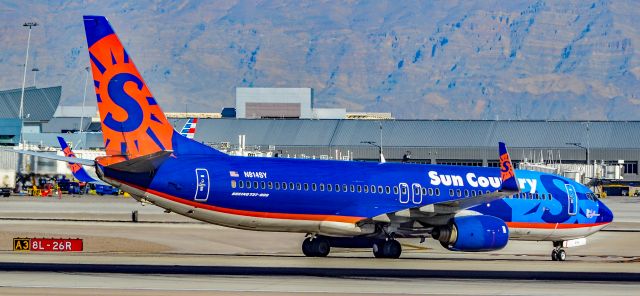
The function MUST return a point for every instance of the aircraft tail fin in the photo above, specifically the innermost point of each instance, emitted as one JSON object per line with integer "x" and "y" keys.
{"x": 189, "y": 129}
{"x": 507, "y": 174}
{"x": 133, "y": 124}
{"x": 76, "y": 169}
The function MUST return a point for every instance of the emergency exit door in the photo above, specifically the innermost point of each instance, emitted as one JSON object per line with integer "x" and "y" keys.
{"x": 202, "y": 185}
{"x": 572, "y": 205}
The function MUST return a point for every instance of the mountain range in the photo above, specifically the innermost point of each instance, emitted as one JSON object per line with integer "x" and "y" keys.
{"x": 547, "y": 60}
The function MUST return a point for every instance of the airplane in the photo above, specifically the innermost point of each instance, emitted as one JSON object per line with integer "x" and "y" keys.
{"x": 337, "y": 204}
{"x": 76, "y": 169}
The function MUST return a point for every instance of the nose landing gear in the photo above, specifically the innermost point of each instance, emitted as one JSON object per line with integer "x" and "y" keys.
{"x": 558, "y": 253}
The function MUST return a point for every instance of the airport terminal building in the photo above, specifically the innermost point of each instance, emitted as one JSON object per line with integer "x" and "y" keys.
{"x": 301, "y": 134}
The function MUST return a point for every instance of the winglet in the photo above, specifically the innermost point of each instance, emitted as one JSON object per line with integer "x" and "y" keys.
{"x": 507, "y": 174}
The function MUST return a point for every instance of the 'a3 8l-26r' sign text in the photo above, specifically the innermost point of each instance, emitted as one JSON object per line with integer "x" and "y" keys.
{"x": 48, "y": 244}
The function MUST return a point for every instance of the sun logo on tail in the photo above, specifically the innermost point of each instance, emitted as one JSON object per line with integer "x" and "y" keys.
{"x": 506, "y": 169}
{"x": 132, "y": 122}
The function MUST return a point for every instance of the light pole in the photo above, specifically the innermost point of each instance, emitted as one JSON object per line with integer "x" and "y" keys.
{"x": 372, "y": 143}
{"x": 35, "y": 71}
{"x": 30, "y": 25}
{"x": 84, "y": 99}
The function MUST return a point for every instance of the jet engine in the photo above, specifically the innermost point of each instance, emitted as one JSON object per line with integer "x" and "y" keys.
{"x": 473, "y": 234}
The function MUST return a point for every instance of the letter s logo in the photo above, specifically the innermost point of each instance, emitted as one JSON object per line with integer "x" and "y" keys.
{"x": 506, "y": 166}
{"x": 124, "y": 101}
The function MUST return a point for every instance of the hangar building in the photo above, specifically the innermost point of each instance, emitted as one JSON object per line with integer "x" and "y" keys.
{"x": 461, "y": 142}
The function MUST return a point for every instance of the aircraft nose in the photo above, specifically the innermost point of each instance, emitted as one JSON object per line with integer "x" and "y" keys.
{"x": 606, "y": 216}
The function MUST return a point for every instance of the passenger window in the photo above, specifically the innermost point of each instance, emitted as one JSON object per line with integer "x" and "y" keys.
{"x": 344, "y": 187}
{"x": 366, "y": 189}
{"x": 473, "y": 193}
{"x": 291, "y": 186}
{"x": 352, "y": 188}
{"x": 329, "y": 187}
{"x": 373, "y": 188}
{"x": 249, "y": 184}
{"x": 263, "y": 185}
{"x": 306, "y": 186}
{"x": 430, "y": 191}
{"x": 466, "y": 192}
{"x": 241, "y": 184}
{"x": 380, "y": 189}
{"x": 277, "y": 185}
{"x": 255, "y": 184}
{"x": 337, "y": 188}
{"x": 437, "y": 191}
{"x": 424, "y": 191}
{"x": 298, "y": 186}
{"x": 270, "y": 185}
{"x": 459, "y": 192}
{"x": 550, "y": 196}
{"x": 395, "y": 189}
{"x": 314, "y": 187}
{"x": 387, "y": 189}
{"x": 321, "y": 186}
{"x": 284, "y": 185}
{"x": 451, "y": 192}
{"x": 359, "y": 188}
{"x": 233, "y": 183}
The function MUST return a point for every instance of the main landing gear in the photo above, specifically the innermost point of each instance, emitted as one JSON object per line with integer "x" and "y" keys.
{"x": 320, "y": 246}
{"x": 316, "y": 247}
{"x": 558, "y": 253}
{"x": 387, "y": 249}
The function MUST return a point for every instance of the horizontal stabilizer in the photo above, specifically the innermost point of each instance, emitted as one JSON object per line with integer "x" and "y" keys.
{"x": 82, "y": 161}
{"x": 147, "y": 163}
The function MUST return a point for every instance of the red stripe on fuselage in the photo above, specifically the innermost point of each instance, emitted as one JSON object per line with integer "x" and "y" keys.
{"x": 535, "y": 225}
{"x": 309, "y": 217}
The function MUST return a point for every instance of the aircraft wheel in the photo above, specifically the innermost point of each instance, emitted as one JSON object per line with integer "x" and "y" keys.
{"x": 321, "y": 247}
{"x": 392, "y": 249}
{"x": 554, "y": 255}
{"x": 562, "y": 255}
{"x": 377, "y": 249}
{"x": 307, "y": 247}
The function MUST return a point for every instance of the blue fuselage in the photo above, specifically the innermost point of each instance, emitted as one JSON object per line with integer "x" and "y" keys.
{"x": 358, "y": 190}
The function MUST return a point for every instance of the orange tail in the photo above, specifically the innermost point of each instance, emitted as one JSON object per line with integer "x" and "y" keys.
{"x": 133, "y": 124}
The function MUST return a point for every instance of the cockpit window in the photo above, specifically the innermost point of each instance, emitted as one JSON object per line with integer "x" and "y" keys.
{"x": 592, "y": 196}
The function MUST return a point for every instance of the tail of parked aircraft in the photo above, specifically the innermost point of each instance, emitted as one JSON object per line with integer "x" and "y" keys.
{"x": 189, "y": 129}
{"x": 76, "y": 169}
{"x": 133, "y": 124}
{"x": 507, "y": 174}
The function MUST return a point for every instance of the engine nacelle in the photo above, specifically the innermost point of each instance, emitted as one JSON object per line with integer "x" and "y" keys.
{"x": 473, "y": 234}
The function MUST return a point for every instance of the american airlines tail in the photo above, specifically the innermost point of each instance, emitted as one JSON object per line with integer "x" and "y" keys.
{"x": 133, "y": 125}
{"x": 189, "y": 128}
